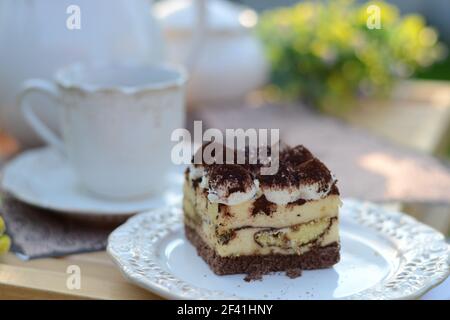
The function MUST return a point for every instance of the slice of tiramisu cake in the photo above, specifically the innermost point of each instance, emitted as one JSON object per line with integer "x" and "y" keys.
{"x": 241, "y": 221}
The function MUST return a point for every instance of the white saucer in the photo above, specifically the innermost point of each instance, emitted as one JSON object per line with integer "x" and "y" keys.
{"x": 42, "y": 177}
{"x": 384, "y": 255}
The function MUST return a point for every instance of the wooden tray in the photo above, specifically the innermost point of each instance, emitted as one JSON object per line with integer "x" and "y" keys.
{"x": 100, "y": 279}
{"x": 46, "y": 279}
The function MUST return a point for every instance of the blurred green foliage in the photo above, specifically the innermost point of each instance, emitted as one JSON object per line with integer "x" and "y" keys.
{"x": 438, "y": 71}
{"x": 324, "y": 53}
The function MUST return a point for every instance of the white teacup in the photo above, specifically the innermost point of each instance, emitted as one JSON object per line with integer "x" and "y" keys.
{"x": 116, "y": 122}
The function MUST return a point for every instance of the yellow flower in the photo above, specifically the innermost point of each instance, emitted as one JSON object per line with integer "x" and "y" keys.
{"x": 2, "y": 226}
{"x": 5, "y": 243}
{"x": 324, "y": 51}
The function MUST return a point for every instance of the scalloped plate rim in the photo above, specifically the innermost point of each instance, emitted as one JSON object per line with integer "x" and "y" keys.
{"x": 164, "y": 292}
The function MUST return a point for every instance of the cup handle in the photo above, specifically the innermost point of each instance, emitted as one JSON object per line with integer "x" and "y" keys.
{"x": 50, "y": 90}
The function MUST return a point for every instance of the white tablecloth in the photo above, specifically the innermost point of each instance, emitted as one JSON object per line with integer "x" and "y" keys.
{"x": 441, "y": 292}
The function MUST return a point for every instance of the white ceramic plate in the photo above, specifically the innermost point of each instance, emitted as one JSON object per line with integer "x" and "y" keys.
{"x": 42, "y": 177}
{"x": 384, "y": 255}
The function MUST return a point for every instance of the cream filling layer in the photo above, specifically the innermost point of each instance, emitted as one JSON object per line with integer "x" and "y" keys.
{"x": 314, "y": 226}
{"x": 243, "y": 242}
{"x": 241, "y": 215}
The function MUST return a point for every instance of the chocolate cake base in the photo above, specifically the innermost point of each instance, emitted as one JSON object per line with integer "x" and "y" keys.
{"x": 316, "y": 258}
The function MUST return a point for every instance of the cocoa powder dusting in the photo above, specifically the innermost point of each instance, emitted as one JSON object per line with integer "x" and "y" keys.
{"x": 262, "y": 205}
{"x": 234, "y": 177}
{"x": 297, "y": 166}
{"x": 224, "y": 210}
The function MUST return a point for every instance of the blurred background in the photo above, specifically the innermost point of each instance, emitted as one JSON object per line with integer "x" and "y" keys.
{"x": 392, "y": 82}
{"x": 363, "y": 84}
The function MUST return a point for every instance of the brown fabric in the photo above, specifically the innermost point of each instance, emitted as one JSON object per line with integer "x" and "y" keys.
{"x": 39, "y": 233}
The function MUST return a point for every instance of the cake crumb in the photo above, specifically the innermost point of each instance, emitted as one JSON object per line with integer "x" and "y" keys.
{"x": 294, "y": 273}
{"x": 253, "y": 276}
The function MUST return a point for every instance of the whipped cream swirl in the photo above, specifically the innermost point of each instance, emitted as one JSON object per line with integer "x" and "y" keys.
{"x": 301, "y": 176}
